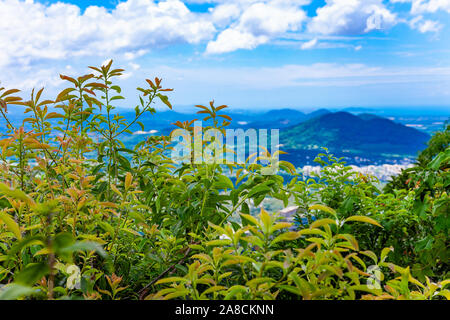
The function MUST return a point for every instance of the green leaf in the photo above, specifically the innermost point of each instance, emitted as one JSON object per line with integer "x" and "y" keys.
{"x": 250, "y": 219}
{"x": 16, "y": 194}
{"x": 218, "y": 243}
{"x": 171, "y": 280}
{"x": 424, "y": 244}
{"x": 176, "y": 294}
{"x": 254, "y": 240}
{"x": 196, "y": 247}
{"x": 445, "y": 293}
{"x": 62, "y": 241}
{"x": 260, "y": 188}
{"x": 371, "y": 255}
{"x": 363, "y": 219}
{"x": 15, "y": 291}
{"x": 213, "y": 289}
{"x": 322, "y": 222}
{"x": 117, "y": 98}
{"x": 60, "y": 244}
{"x": 291, "y": 289}
{"x": 85, "y": 246}
{"x": 266, "y": 220}
{"x": 11, "y": 224}
{"x": 217, "y": 228}
{"x": 164, "y": 99}
{"x": 256, "y": 281}
{"x": 288, "y": 236}
{"x": 235, "y": 290}
{"x": 107, "y": 227}
{"x": 141, "y": 125}
{"x": 289, "y": 166}
{"x": 443, "y": 157}
{"x": 116, "y": 88}
{"x": 32, "y": 273}
{"x": 137, "y": 216}
{"x": 385, "y": 252}
{"x": 223, "y": 182}
{"x": 245, "y": 208}
{"x": 26, "y": 242}
{"x": 323, "y": 208}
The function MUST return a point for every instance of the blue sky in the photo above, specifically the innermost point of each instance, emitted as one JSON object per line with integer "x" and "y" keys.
{"x": 246, "y": 53}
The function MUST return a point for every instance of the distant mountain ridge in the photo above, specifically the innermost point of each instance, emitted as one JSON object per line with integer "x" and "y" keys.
{"x": 346, "y": 132}
{"x": 359, "y": 136}
{"x": 272, "y": 119}
{"x": 280, "y": 118}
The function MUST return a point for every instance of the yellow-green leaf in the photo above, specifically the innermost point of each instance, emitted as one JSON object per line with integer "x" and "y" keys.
{"x": 363, "y": 219}
{"x": 288, "y": 236}
{"x": 15, "y": 193}
{"x": 266, "y": 220}
{"x": 250, "y": 219}
{"x": 322, "y": 222}
{"x": 216, "y": 243}
{"x": 321, "y": 207}
{"x": 11, "y": 224}
{"x": 171, "y": 280}
{"x": 128, "y": 180}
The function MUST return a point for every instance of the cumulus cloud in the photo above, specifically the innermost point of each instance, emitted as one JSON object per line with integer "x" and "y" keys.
{"x": 224, "y": 14}
{"x": 351, "y": 17}
{"x": 420, "y": 7}
{"x": 424, "y": 6}
{"x": 257, "y": 23}
{"x": 424, "y": 25}
{"x": 33, "y": 31}
{"x": 233, "y": 39}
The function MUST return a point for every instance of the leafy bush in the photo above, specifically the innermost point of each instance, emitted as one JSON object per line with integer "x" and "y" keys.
{"x": 260, "y": 261}
{"x": 83, "y": 217}
{"x": 415, "y": 220}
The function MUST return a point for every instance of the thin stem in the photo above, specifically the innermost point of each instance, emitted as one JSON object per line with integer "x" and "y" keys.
{"x": 150, "y": 100}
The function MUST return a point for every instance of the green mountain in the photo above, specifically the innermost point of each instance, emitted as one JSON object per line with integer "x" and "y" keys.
{"x": 343, "y": 132}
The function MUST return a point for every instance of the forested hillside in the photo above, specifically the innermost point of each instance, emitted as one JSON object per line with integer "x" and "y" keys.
{"x": 130, "y": 224}
{"x": 362, "y": 134}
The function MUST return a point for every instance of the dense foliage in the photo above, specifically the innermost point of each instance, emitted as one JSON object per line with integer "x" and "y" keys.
{"x": 82, "y": 217}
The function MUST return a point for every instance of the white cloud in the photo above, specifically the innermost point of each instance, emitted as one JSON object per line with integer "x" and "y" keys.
{"x": 309, "y": 44}
{"x": 258, "y": 23}
{"x": 350, "y": 17}
{"x": 32, "y": 31}
{"x": 134, "y": 66}
{"x": 423, "y": 6}
{"x": 36, "y": 77}
{"x": 222, "y": 15}
{"x": 131, "y": 55}
{"x": 430, "y": 26}
{"x": 424, "y": 26}
{"x": 271, "y": 18}
{"x": 233, "y": 39}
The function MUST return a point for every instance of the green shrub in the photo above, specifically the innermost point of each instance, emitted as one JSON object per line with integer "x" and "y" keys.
{"x": 83, "y": 217}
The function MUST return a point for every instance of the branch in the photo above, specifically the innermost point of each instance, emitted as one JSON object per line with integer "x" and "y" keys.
{"x": 145, "y": 290}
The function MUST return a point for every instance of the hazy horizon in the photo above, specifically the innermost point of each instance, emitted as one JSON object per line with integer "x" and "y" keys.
{"x": 439, "y": 110}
